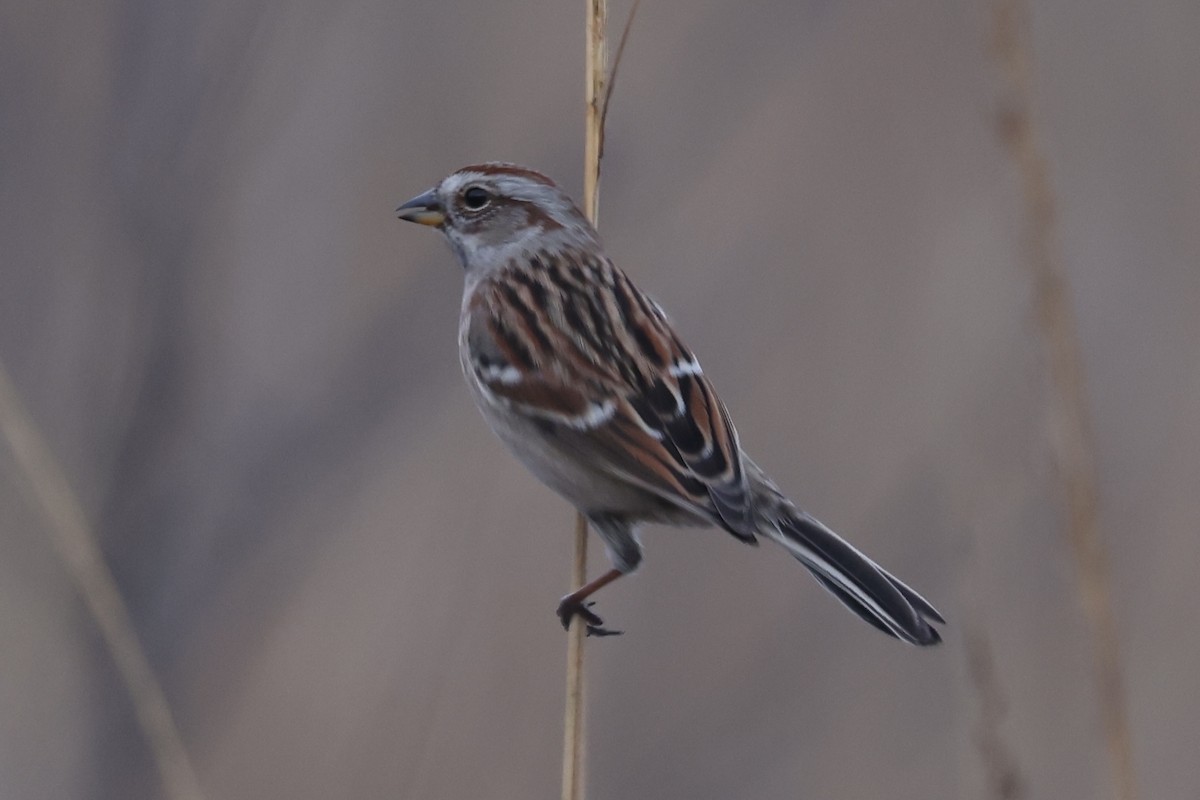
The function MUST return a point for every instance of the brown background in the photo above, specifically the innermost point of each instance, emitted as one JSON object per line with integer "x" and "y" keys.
{"x": 248, "y": 370}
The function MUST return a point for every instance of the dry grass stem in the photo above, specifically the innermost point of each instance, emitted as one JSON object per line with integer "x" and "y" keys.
{"x": 572, "y": 772}
{"x": 612, "y": 78}
{"x": 1068, "y": 410}
{"x": 1003, "y": 776}
{"x": 594, "y": 97}
{"x": 72, "y": 537}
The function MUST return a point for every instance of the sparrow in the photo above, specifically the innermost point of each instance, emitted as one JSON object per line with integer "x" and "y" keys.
{"x": 584, "y": 378}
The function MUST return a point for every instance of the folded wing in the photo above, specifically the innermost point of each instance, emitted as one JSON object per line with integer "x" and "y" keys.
{"x": 631, "y": 394}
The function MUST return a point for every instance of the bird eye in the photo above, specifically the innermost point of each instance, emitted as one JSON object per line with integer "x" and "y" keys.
{"x": 476, "y": 198}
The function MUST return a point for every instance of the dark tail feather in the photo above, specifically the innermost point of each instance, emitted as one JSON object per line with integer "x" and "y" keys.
{"x": 859, "y": 583}
{"x": 921, "y": 605}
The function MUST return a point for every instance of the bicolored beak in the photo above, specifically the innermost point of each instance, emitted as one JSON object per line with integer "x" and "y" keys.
{"x": 424, "y": 209}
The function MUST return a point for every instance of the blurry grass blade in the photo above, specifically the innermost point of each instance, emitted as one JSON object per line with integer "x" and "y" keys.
{"x": 72, "y": 537}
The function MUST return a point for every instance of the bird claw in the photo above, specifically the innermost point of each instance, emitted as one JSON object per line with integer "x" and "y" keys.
{"x": 569, "y": 609}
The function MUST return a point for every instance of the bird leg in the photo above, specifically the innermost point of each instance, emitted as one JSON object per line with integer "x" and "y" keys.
{"x": 573, "y": 605}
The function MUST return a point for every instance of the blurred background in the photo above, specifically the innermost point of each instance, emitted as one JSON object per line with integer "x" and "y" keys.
{"x": 247, "y": 368}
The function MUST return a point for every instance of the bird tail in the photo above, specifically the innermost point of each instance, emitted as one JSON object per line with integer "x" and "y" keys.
{"x": 858, "y": 582}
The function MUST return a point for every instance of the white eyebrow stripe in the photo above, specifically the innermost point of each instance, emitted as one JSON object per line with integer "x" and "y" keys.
{"x": 460, "y": 179}
{"x": 681, "y": 368}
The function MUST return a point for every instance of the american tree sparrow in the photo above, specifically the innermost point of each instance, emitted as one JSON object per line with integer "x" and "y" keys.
{"x": 585, "y": 380}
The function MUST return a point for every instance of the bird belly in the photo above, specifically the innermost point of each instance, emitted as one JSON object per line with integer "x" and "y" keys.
{"x": 582, "y": 483}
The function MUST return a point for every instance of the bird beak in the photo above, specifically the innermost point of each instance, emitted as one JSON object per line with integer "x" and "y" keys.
{"x": 423, "y": 209}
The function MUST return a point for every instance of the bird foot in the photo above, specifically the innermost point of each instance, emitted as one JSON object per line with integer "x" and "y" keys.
{"x": 570, "y": 608}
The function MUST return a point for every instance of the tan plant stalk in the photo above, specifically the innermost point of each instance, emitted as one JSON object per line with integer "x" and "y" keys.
{"x": 594, "y": 97}
{"x": 72, "y": 538}
{"x": 1003, "y": 779}
{"x": 1071, "y": 437}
